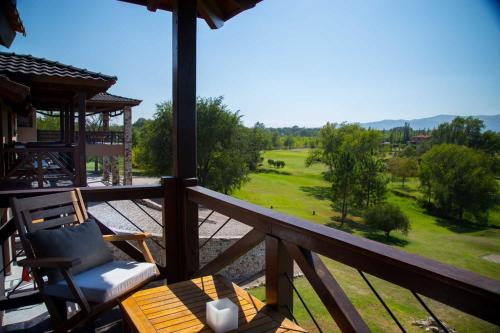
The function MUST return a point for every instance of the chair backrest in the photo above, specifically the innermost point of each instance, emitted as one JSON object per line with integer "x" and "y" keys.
{"x": 47, "y": 212}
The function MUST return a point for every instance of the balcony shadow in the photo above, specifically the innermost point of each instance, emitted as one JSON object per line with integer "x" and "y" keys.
{"x": 318, "y": 192}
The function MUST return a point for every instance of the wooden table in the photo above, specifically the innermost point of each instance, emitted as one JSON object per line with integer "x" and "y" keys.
{"x": 180, "y": 307}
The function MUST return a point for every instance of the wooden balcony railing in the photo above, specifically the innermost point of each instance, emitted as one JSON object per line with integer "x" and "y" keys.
{"x": 41, "y": 163}
{"x": 289, "y": 239}
{"x": 92, "y": 137}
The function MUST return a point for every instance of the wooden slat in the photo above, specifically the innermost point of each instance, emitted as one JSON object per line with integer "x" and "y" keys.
{"x": 32, "y": 227}
{"x": 52, "y": 212}
{"x": 235, "y": 251}
{"x": 328, "y": 290}
{"x": 467, "y": 291}
{"x": 45, "y": 201}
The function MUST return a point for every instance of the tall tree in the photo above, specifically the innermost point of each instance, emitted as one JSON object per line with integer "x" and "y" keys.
{"x": 343, "y": 180}
{"x": 226, "y": 152}
{"x": 459, "y": 180}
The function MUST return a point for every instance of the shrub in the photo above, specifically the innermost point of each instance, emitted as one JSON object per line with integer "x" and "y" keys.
{"x": 387, "y": 217}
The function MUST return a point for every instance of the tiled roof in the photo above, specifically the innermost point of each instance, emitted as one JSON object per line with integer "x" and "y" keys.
{"x": 109, "y": 98}
{"x": 28, "y": 65}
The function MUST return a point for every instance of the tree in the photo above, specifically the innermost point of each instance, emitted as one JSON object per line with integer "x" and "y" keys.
{"x": 352, "y": 155}
{"x": 460, "y": 131}
{"x": 225, "y": 152}
{"x": 387, "y": 217}
{"x": 371, "y": 182}
{"x": 403, "y": 167}
{"x": 289, "y": 142}
{"x": 47, "y": 123}
{"x": 459, "y": 179}
{"x": 343, "y": 180}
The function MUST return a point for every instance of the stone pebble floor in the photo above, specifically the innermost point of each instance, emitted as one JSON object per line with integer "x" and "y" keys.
{"x": 114, "y": 220}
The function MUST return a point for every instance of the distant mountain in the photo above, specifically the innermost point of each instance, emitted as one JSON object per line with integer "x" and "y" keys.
{"x": 490, "y": 122}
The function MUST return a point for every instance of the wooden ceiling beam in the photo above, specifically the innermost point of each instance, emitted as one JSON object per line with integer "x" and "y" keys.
{"x": 211, "y": 12}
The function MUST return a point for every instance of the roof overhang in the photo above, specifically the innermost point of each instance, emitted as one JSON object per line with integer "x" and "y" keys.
{"x": 10, "y": 22}
{"x": 214, "y": 12}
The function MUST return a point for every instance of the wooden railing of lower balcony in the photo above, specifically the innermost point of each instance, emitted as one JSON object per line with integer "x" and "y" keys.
{"x": 288, "y": 238}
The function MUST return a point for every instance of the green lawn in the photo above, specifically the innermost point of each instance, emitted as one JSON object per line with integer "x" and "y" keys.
{"x": 302, "y": 192}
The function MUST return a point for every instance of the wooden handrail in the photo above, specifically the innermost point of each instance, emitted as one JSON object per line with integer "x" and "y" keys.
{"x": 467, "y": 291}
{"x": 98, "y": 193}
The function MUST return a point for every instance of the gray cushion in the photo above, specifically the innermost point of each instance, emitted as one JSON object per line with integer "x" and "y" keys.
{"x": 106, "y": 282}
{"x": 83, "y": 241}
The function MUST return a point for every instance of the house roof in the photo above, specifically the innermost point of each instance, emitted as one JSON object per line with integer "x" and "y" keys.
{"x": 52, "y": 83}
{"x": 104, "y": 102}
{"x": 12, "y": 63}
{"x": 215, "y": 12}
{"x": 113, "y": 99}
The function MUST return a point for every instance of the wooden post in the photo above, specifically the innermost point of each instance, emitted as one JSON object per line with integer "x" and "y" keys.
{"x": 106, "y": 162}
{"x": 279, "y": 292}
{"x": 62, "y": 123}
{"x": 184, "y": 137}
{"x": 71, "y": 123}
{"x": 82, "y": 106}
{"x": 127, "y": 144}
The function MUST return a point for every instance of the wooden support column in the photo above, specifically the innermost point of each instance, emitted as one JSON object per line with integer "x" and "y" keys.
{"x": 82, "y": 106}
{"x": 127, "y": 143}
{"x": 185, "y": 236}
{"x": 106, "y": 162}
{"x": 62, "y": 123}
{"x": 71, "y": 123}
{"x": 279, "y": 264}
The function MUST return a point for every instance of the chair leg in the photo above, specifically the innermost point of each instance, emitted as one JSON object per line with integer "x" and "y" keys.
{"x": 57, "y": 310}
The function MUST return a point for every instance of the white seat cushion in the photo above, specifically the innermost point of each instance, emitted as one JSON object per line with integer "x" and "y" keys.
{"x": 105, "y": 282}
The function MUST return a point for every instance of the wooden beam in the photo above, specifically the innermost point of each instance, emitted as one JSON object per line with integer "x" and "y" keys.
{"x": 235, "y": 251}
{"x": 82, "y": 100}
{"x": 90, "y": 194}
{"x": 329, "y": 291}
{"x": 211, "y": 12}
{"x": 279, "y": 267}
{"x": 184, "y": 138}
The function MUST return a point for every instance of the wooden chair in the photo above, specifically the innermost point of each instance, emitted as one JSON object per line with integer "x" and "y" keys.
{"x": 66, "y": 209}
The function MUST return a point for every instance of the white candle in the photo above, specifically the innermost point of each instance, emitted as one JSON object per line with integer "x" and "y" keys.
{"x": 222, "y": 315}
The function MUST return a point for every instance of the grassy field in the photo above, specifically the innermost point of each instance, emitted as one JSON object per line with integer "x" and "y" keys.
{"x": 302, "y": 192}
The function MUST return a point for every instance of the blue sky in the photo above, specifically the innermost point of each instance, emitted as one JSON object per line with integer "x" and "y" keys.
{"x": 290, "y": 62}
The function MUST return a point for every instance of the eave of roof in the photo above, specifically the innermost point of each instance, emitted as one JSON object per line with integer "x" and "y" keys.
{"x": 20, "y": 64}
{"x": 224, "y": 9}
{"x": 12, "y": 91}
{"x": 106, "y": 99}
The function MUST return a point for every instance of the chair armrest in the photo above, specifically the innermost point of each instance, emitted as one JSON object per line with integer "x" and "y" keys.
{"x": 127, "y": 237}
{"x": 51, "y": 262}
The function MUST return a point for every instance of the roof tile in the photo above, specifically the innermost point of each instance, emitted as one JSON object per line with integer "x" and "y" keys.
{"x": 29, "y": 65}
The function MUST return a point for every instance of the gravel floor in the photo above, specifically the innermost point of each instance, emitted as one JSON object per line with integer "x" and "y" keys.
{"x": 111, "y": 214}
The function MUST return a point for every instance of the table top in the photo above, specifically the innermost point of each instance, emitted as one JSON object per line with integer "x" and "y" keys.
{"x": 180, "y": 307}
